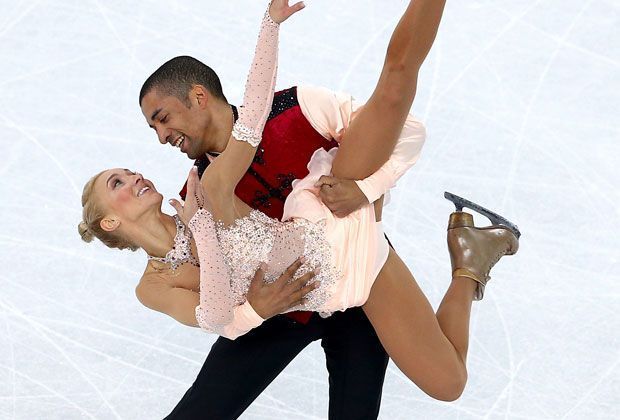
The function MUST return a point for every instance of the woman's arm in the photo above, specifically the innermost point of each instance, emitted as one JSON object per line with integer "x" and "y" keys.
{"x": 156, "y": 293}
{"x": 215, "y": 309}
{"x": 221, "y": 177}
{"x": 217, "y": 304}
{"x": 184, "y": 306}
{"x": 264, "y": 301}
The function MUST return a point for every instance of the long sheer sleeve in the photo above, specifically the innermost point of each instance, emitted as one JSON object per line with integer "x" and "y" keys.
{"x": 260, "y": 85}
{"x": 230, "y": 166}
{"x": 217, "y": 312}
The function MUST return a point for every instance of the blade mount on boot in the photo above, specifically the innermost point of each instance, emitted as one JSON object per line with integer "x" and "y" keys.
{"x": 496, "y": 219}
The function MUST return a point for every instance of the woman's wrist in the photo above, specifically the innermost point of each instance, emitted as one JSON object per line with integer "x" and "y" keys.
{"x": 270, "y": 20}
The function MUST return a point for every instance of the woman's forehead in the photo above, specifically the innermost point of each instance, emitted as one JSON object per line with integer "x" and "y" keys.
{"x": 104, "y": 176}
{"x": 114, "y": 171}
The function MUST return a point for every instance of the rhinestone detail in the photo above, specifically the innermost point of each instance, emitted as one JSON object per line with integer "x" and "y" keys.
{"x": 181, "y": 251}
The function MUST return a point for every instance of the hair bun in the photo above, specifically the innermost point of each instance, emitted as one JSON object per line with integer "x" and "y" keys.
{"x": 85, "y": 232}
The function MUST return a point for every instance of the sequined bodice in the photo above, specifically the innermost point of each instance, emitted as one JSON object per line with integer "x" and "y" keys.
{"x": 181, "y": 251}
{"x": 229, "y": 257}
{"x": 258, "y": 238}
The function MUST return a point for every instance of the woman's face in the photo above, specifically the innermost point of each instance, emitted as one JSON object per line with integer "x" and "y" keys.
{"x": 126, "y": 196}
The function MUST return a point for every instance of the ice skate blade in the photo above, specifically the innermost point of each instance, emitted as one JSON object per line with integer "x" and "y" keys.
{"x": 496, "y": 219}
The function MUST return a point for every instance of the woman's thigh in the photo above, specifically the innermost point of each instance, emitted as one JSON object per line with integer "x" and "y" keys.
{"x": 408, "y": 329}
{"x": 369, "y": 140}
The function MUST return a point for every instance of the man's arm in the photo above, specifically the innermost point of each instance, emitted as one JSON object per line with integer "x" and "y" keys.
{"x": 330, "y": 113}
{"x": 406, "y": 153}
{"x": 264, "y": 300}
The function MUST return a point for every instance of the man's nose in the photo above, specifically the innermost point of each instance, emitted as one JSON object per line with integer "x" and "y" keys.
{"x": 163, "y": 135}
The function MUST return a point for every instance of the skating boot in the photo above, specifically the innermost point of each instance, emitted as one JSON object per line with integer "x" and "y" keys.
{"x": 473, "y": 250}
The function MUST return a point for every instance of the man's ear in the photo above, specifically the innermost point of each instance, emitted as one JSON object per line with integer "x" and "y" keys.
{"x": 109, "y": 223}
{"x": 199, "y": 96}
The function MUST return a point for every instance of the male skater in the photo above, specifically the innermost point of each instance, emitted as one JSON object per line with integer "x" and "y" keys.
{"x": 183, "y": 101}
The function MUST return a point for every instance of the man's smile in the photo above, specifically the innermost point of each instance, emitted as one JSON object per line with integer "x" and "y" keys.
{"x": 179, "y": 141}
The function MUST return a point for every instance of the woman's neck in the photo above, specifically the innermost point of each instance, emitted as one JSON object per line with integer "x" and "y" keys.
{"x": 154, "y": 233}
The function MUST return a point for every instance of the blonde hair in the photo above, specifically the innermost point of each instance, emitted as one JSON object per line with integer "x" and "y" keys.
{"x": 92, "y": 215}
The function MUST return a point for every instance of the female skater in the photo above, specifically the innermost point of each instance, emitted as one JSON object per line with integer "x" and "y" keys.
{"x": 232, "y": 240}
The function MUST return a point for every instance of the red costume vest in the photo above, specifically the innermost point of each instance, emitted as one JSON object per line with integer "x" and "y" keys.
{"x": 289, "y": 140}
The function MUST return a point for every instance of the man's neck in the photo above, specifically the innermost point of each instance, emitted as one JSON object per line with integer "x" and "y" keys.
{"x": 219, "y": 131}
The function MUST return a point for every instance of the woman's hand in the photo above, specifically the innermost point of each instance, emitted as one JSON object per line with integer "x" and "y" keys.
{"x": 279, "y": 10}
{"x": 194, "y": 198}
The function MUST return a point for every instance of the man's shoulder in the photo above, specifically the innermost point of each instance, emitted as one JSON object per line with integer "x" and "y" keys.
{"x": 283, "y": 100}
{"x": 319, "y": 90}
{"x": 311, "y": 97}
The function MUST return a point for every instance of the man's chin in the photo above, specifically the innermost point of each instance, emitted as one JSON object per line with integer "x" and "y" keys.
{"x": 187, "y": 153}
{"x": 195, "y": 154}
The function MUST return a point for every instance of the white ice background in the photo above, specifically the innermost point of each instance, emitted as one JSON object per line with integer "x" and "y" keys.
{"x": 521, "y": 102}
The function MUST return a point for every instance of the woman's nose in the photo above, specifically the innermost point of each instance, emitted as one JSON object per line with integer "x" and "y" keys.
{"x": 139, "y": 177}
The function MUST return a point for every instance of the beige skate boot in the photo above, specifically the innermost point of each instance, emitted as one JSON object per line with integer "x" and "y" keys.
{"x": 474, "y": 251}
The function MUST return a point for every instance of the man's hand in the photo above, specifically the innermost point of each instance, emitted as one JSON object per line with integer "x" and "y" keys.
{"x": 279, "y": 10}
{"x": 341, "y": 196}
{"x": 269, "y": 299}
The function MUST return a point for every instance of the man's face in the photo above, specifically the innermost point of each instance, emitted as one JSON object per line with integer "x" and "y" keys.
{"x": 176, "y": 123}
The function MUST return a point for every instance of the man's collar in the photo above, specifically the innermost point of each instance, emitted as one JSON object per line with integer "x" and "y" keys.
{"x": 235, "y": 113}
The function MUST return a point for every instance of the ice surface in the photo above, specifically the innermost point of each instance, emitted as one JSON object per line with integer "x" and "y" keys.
{"x": 521, "y": 101}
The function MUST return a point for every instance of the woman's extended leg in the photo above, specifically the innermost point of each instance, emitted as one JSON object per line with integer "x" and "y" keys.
{"x": 371, "y": 137}
{"x": 430, "y": 349}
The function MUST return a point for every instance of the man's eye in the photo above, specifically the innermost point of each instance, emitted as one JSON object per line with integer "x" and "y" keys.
{"x": 164, "y": 120}
{"x": 116, "y": 183}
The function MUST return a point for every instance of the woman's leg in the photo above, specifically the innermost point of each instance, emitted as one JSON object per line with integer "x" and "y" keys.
{"x": 371, "y": 137}
{"x": 430, "y": 349}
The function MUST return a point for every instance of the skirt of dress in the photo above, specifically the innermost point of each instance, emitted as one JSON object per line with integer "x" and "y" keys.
{"x": 358, "y": 245}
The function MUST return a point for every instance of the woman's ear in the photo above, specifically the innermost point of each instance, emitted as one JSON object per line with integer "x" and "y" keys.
{"x": 109, "y": 223}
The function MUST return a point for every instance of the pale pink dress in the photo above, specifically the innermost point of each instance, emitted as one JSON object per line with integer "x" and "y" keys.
{"x": 349, "y": 250}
